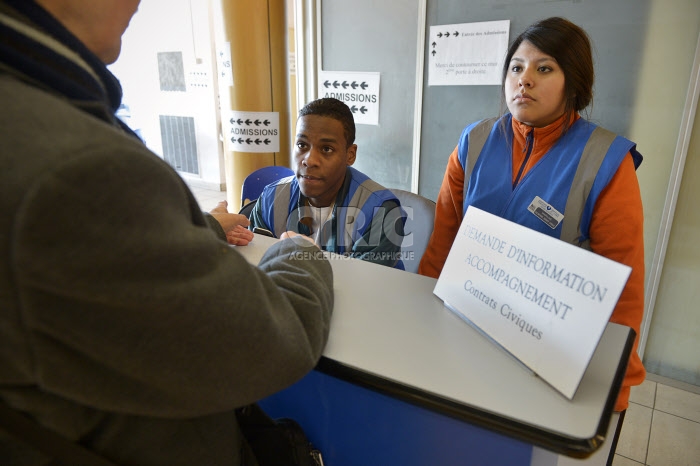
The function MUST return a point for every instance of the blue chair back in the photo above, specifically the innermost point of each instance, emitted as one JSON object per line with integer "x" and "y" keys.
{"x": 255, "y": 182}
{"x": 420, "y": 213}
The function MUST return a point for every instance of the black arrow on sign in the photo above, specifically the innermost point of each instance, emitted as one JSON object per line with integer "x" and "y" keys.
{"x": 266, "y": 122}
{"x": 240, "y": 122}
{"x": 258, "y": 141}
{"x": 447, "y": 34}
{"x": 336, "y": 84}
{"x": 364, "y": 85}
{"x": 434, "y": 44}
{"x": 433, "y": 52}
{"x": 353, "y": 109}
{"x": 257, "y": 122}
{"x": 267, "y": 141}
{"x": 345, "y": 84}
{"x": 353, "y": 85}
{"x": 248, "y": 122}
{"x": 232, "y": 121}
{"x": 363, "y": 109}
{"x": 249, "y": 141}
{"x": 456, "y": 33}
{"x": 439, "y": 34}
{"x": 240, "y": 141}
{"x": 327, "y": 83}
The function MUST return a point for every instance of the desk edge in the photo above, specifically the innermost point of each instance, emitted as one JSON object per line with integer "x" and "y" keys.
{"x": 573, "y": 447}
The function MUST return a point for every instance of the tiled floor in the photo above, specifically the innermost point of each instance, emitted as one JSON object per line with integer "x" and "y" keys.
{"x": 208, "y": 198}
{"x": 662, "y": 423}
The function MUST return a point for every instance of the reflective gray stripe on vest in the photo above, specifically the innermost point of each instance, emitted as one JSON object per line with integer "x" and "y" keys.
{"x": 361, "y": 195}
{"x": 591, "y": 159}
{"x": 280, "y": 207}
{"x": 359, "y": 198}
{"x": 477, "y": 139}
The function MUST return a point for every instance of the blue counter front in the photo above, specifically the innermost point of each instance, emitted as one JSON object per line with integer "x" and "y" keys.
{"x": 355, "y": 426}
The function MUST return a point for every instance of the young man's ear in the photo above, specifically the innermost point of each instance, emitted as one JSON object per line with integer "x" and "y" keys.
{"x": 352, "y": 154}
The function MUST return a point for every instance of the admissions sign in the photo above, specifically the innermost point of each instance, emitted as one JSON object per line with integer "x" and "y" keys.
{"x": 359, "y": 91}
{"x": 252, "y": 131}
{"x": 544, "y": 301}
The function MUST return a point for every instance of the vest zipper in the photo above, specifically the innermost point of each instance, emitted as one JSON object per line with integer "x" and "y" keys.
{"x": 528, "y": 148}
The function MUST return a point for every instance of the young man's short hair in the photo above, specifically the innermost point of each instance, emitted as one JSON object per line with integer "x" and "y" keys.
{"x": 333, "y": 108}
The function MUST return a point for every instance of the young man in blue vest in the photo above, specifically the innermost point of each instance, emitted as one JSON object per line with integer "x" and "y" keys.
{"x": 342, "y": 209}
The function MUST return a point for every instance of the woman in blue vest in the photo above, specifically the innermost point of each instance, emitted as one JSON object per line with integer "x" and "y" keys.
{"x": 543, "y": 152}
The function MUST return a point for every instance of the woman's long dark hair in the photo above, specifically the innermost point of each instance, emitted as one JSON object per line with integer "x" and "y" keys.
{"x": 570, "y": 46}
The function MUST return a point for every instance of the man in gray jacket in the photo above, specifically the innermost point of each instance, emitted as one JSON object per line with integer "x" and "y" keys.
{"x": 127, "y": 323}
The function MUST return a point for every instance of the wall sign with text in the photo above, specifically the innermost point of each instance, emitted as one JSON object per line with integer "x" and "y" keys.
{"x": 359, "y": 91}
{"x": 467, "y": 54}
{"x": 252, "y": 131}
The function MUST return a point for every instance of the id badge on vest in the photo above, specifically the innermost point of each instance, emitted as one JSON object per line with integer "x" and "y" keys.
{"x": 545, "y": 212}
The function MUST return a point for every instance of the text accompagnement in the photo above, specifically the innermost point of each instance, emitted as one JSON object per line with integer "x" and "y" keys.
{"x": 569, "y": 279}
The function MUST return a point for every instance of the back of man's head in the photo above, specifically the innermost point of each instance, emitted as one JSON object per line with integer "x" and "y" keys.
{"x": 333, "y": 108}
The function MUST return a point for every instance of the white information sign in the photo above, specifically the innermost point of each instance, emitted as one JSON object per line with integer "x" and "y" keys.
{"x": 467, "y": 54}
{"x": 544, "y": 301}
{"x": 252, "y": 131}
{"x": 359, "y": 90}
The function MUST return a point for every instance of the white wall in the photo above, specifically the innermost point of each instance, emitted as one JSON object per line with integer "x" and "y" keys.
{"x": 674, "y": 334}
{"x": 174, "y": 26}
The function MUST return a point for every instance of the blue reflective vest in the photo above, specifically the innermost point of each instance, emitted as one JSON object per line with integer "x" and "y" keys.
{"x": 360, "y": 199}
{"x": 569, "y": 177}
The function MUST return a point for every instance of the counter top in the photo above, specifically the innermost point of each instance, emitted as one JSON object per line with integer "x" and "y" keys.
{"x": 390, "y": 333}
